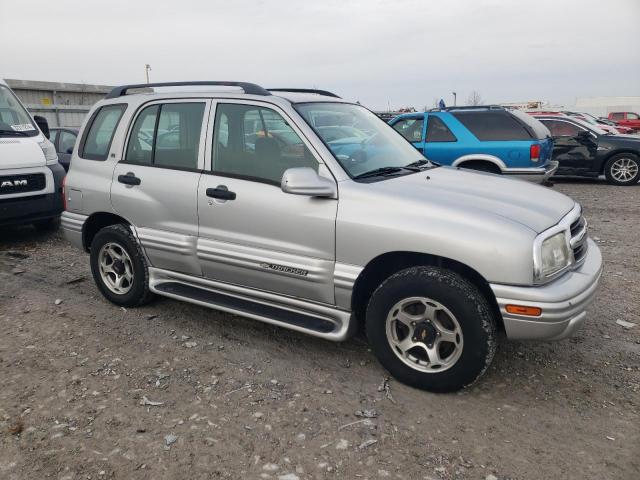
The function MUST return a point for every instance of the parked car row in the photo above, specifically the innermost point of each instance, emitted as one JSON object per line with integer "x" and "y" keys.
{"x": 306, "y": 211}
{"x": 512, "y": 143}
{"x": 490, "y": 139}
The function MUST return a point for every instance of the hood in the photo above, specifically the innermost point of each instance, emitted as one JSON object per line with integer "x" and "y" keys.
{"x": 21, "y": 152}
{"x": 533, "y": 206}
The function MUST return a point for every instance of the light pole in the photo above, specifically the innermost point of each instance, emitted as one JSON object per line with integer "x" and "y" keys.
{"x": 147, "y": 67}
{"x": 454, "y": 98}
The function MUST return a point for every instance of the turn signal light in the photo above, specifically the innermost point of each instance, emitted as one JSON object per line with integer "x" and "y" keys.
{"x": 534, "y": 152}
{"x": 524, "y": 310}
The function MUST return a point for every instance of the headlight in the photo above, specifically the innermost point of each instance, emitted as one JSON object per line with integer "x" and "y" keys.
{"x": 551, "y": 256}
{"x": 49, "y": 151}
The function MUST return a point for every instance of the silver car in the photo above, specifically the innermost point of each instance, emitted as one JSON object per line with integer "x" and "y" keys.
{"x": 242, "y": 199}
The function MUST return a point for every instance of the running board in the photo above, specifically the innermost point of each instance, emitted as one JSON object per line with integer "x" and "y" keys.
{"x": 315, "y": 319}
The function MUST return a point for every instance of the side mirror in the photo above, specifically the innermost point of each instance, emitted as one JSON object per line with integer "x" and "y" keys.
{"x": 43, "y": 125}
{"x": 306, "y": 181}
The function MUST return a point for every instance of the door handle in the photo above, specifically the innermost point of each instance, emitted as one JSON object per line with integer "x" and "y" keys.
{"x": 221, "y": 192}
{"x": 129, "y": 179}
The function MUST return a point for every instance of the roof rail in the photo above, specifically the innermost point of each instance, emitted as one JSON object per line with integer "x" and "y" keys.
{"x": 471, "y": 107}
{"x": 248, "y": 88}
{"x": 304, "y": 90}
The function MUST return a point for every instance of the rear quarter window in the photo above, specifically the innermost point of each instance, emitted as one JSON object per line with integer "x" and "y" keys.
{"x": 491, "y": 126}
{"x": 96, "y": 141}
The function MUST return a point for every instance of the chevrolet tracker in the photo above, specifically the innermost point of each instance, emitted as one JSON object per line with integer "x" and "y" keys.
{"x": 306, "y": 211}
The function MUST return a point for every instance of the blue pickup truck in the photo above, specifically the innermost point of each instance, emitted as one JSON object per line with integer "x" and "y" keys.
{"x": 491, "y": 139}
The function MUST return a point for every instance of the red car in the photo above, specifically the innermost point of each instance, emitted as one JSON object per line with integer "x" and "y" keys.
{"x": 626, "y": 119}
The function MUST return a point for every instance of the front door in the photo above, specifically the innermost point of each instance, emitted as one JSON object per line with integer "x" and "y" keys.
{"x": 155, "y": 185}
{"x": 252, "y": 233}
{"x": 574, "y": 147}
{"x": 412, "y": 129}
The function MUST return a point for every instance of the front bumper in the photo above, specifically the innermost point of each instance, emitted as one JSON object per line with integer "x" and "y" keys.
{"x": 563, "y": 302}
{"x": 38, "y": 205}
{"x": 536, "y": 175}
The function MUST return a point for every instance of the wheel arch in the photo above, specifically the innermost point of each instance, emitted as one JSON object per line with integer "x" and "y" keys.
{"x": 95, "y": 223}
{"x": 387, "y": 264}
{"x": 480, "y": 158}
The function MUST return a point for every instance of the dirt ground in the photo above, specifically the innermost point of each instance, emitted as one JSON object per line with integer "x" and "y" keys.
{"x": 239, "y": 399}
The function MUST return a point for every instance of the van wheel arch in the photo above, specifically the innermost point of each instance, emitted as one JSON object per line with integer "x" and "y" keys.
{"x": 97, "y": 222}
{"x": 387, "y": 264}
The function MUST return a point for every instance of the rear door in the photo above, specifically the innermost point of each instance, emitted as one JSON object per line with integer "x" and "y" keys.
{"x": 155, "y": 185}
{"x": 252, "y": 233}
{"x": 574, "y": 147}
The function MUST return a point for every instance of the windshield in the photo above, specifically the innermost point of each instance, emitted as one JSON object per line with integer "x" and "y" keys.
{"x": 13, "y": 117}
{"x": 358, "y": 139}
{"x": 588, "y": 126}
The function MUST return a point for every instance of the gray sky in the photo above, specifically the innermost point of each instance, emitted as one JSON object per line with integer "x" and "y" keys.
{"x": 402, "y": 52}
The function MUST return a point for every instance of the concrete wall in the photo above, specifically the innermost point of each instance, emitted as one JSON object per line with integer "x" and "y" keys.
{"x": 62, "y": 104}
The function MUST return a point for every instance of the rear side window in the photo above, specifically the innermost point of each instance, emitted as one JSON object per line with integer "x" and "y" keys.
{"x": 488, "y": 125}
{"x": 558, "y": 128}
{"x": 437, "y": 131}
{"x": 617, "y": 116}
{"x": 410, "y": 128}
{"x": 167, "y": 135}
{"x": 67, "y": 141}
{"x": 98, "y": 138}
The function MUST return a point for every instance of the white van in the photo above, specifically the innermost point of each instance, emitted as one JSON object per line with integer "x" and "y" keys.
{"x": 30, "y": 176}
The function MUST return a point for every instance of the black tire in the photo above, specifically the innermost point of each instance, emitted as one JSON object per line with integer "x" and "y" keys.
{"x": 47, "y": 225}
{"x": 613, "y": 177}
{"x": 471, "y": 309}
{"x": 119, "y": 234}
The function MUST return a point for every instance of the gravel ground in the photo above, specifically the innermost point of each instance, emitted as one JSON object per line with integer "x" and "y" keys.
{"x": 92, "y": 391}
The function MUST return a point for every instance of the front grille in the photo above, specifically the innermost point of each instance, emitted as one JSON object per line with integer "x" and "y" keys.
{"x": 32, "y": 182}
{"x": 579, "y": 238}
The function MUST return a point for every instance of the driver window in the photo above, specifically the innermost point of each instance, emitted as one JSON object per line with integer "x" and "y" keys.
{"x": 256, "y": 143}
{"x": 410, "y": 128}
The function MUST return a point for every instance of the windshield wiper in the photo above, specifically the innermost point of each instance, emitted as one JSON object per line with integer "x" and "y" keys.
{"x": 15, "y": 132}
{"x": 379, "y": 171}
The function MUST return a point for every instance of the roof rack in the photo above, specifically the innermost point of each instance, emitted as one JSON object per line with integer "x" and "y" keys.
{"x": 304, "y": 90}
{"x": 469, "y": 107}
{"x": 248, "y": 88}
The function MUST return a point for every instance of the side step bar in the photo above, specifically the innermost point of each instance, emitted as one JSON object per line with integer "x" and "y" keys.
{"x": 315, "y": 319}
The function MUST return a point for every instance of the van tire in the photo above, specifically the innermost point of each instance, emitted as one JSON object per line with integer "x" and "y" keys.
{"x": 458, "y": 302}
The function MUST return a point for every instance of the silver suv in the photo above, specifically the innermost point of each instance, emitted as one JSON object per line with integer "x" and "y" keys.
{"x": 300, "y": 209}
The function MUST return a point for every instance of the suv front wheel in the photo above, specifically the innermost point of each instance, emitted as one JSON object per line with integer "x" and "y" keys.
{"x": 119, "y": 267}
{"x": 431, "y": 328}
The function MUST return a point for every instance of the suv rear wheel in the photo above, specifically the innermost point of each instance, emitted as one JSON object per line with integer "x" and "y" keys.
{"x": 623, "y": 169}
{"x": 119, "y": 267}
{"x": 431, "y": 328}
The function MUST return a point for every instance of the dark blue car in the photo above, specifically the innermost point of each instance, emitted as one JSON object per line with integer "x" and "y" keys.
{"x": 490, "y": 139}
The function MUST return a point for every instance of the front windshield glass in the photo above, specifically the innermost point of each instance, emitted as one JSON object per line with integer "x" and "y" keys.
{"x": 358, "y": 139}
{"x": 14, "y": 119}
